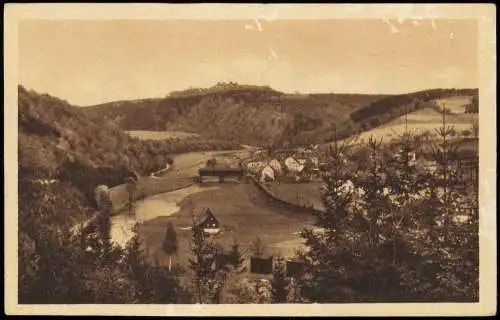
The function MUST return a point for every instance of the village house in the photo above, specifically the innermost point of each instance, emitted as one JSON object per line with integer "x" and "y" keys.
{"x": 315, "y": 161}
{"x": 255, "y": 167}
{"x": 293, "y": 165}
{"x": 267, "y": 174}
{"x": 276, "y": 166}
{"x": 205, "y": 219}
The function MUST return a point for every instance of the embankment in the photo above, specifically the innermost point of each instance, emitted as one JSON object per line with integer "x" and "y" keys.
{"x": 273, "y": 200}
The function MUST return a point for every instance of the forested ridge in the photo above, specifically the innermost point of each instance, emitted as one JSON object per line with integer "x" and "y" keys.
{"x": 261, "y": 115}
{"x": 247, "y": 114}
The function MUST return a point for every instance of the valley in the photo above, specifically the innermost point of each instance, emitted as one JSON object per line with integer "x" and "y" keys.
{"x": 273, "y": 208}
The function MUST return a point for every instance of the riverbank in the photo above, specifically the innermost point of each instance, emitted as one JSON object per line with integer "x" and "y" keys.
{"x": 179, "y": 176}
{"x": 150, "y": 208}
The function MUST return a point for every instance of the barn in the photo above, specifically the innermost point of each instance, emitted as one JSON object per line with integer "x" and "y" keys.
{"x": 221, "y": 173}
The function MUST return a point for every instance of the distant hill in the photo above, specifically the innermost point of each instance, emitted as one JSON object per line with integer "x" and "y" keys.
{"x": 60, "y": 141}
{"x": 251, "y": 115}
{"x": 257, "y": 115}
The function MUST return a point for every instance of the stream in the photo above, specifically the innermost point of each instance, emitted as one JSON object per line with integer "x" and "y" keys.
{"x": 160, "y": 205}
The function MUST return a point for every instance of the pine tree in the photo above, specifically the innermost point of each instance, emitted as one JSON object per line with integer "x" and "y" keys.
{"x": 454, "y": 248}
{"x": 202, "y": 264}
{"x": 170, "y": 244}
{"x": 328, "y": 242}
{"x": 104, "y": 220}
{"x": 279, "y": 282}
{"x": 131, "y": 186}
{"x": 152, "y": 283}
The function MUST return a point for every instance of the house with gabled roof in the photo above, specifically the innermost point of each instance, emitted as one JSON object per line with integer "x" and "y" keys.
{"x": 255, "y": 166}
{"x": 293, "y": 165}
{"x": 275, "y": 165}
{"x": 205, "y": 219}
{"x": 267, "y": 174}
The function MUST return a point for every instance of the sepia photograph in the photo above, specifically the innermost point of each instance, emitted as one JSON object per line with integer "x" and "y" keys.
{"x": 221, "y": 157}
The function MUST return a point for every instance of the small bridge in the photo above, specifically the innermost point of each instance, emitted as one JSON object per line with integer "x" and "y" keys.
{"x": 221, "y": 173}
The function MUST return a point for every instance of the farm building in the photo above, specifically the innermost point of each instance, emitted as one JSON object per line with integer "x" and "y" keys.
{"x": 221, "y": 173}
{"x": 292, "y": 165}
{"x": 267, "y": 174}
{"x": 276, "y": 166}
{"x": 205, "y": 219}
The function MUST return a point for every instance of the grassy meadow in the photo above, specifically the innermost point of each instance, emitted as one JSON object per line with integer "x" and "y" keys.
{"x": 242, "y": 213}
{"x": 419, "y": 122}
{"x": 302, "y": 194}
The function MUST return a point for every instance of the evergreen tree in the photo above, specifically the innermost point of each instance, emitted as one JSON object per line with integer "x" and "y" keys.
{"x": 453, "y": 242}
{"x": 104, "y": 219}
{"x": 202, "y": 264}
{"x": 328, "y": 242}
{"x": 152, "y": 283}
{"x": 279, "y": 282}
{"x": 131, "y": 186}
{"x": 170, "y": 244}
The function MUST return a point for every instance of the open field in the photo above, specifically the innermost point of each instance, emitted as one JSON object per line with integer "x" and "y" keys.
{"x": 303, "y": 194}
{"x": 455, "y": 104}
{"x": 243, "y": 215}
{"x": 418, "y": 122}
{"x": 161, "y": 135}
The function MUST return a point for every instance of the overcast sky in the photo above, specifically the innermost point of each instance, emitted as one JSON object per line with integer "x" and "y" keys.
{"x": 91, "y": 62}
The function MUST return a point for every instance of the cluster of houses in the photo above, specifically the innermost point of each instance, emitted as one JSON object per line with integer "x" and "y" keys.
{"x": 299, "y": 168}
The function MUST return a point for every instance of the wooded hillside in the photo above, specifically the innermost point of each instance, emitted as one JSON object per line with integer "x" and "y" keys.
{"x": 246, "y": 114}
{"x": 59, "y": 141}
{"x": 262, "y": 116}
